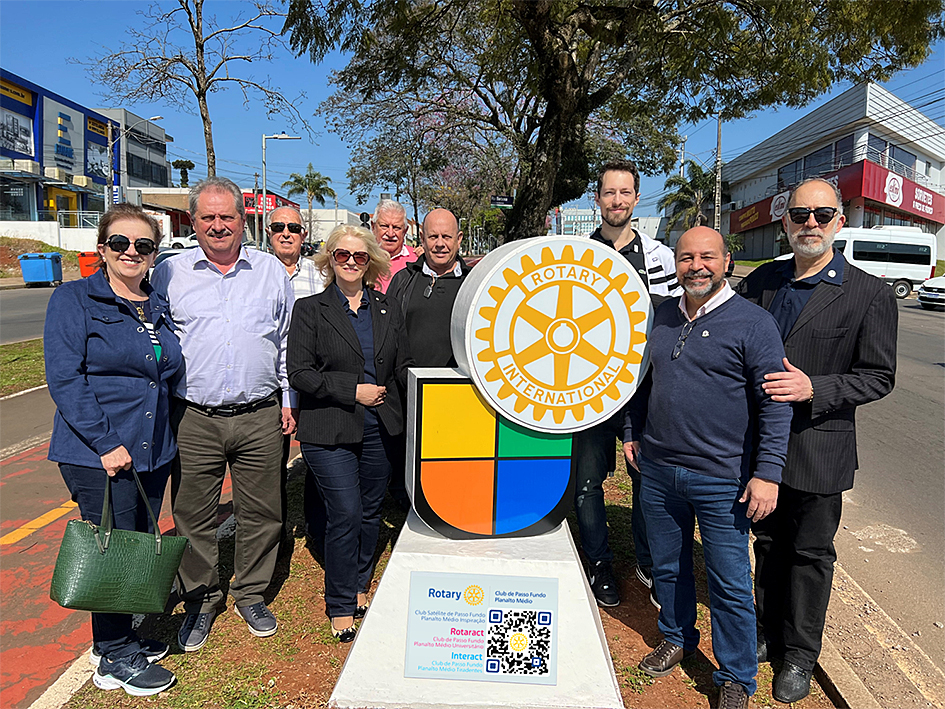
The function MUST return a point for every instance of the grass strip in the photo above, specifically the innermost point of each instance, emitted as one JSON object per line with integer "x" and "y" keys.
{"x": 21, "y": 366}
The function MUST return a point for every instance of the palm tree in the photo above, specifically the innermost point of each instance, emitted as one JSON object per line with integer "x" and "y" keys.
{"x": 684, "y": 203}
{"x": 313, "y": 185}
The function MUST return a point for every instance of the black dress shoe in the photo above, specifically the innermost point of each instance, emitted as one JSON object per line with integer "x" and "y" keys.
{"x": 792, "y": 683}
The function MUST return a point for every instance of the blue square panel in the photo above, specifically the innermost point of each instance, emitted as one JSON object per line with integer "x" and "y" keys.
{"x": 528, "y": 490}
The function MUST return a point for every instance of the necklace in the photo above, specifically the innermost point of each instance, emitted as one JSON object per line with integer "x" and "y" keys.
{"x": 136, "y": 305}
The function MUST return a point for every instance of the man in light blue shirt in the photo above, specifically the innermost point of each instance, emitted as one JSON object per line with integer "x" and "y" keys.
{"x": 231, "y": 306}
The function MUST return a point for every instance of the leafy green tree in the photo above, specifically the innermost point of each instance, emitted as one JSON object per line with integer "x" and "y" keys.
{"x": 687, "y": 195}
{"x": 183, "y": 166}
{"x": 314, "y": 185}
{"x": 552, "y": 76}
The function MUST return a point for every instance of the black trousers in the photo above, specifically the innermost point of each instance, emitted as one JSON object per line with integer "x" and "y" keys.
{"x": 794, "y": 557}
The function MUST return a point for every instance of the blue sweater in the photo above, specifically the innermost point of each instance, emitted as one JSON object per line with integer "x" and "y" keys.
{"x": 705, "y": 410}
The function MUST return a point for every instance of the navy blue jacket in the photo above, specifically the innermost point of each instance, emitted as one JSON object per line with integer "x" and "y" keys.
{"x": 108, "y": 387}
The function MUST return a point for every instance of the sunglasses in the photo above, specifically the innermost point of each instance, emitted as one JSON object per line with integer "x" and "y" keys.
{"x": 342, "y": 256}
{"x": 681, "y": 342}
{"x": 120, "y": 243}
{"x": 279, "y": 227}
{"x": 823, "y": 215}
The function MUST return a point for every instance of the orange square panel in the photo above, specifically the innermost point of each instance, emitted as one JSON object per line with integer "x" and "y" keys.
{"x": 461, "y": 492}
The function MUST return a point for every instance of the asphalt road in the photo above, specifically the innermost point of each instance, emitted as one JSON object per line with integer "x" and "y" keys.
{"x": 22, "y": 311}
{"x": 892, "y": 536}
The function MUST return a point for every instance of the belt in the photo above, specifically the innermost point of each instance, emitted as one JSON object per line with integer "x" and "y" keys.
{"x": 232, "y": 409}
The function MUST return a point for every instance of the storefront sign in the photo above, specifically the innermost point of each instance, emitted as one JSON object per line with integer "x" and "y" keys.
{"x": 15, "y": 92}
{"x": 482, "y": 627}
{"x": 97, "y": 127}
{"x": 273, "y": 201}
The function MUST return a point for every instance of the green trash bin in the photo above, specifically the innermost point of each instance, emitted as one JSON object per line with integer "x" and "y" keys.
{"x": 41, "y": 268}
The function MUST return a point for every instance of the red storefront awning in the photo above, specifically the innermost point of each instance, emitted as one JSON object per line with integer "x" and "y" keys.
{"x": 863, "y": 179}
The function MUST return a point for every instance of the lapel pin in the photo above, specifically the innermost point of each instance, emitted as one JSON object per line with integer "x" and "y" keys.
{"x": 383, "y": 312}
{"x": 831, "y": 273}
{"x": 705, "y": 333}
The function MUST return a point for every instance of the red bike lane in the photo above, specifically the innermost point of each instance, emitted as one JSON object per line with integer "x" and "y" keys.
{"x": 39, "y": 640}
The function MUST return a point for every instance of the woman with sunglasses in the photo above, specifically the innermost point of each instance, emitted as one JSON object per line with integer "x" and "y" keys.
{"x": 347, "y": 357}
{"x": 110, "y": 353}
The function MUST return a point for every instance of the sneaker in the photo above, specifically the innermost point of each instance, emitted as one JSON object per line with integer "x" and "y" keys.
{"x": 134, "y": 674}
{"x": 195, "y": 630}
{"x": 732, "y": 696}
{"x": 262, "y": 623}
{"x": 664, "y": 659}
{"x": 153, "y": 650}
{"x": 654, "y": 600}
{"x": 603, "y": 584}
{"x": 645, "y": 575}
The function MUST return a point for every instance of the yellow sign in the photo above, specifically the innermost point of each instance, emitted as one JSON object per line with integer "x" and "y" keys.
{"x": 97, "y": 127}
{"x": 16, "y": 92}
{"x": 558, "y": 332}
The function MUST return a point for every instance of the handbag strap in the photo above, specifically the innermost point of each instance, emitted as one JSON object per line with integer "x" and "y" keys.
{"x": 108, "y": 523}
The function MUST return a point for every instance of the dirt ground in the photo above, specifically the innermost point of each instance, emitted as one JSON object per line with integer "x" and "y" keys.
{"x": 297, "y": 668}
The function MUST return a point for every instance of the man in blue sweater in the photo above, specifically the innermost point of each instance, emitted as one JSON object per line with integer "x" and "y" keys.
{"x": 710, "y": 446}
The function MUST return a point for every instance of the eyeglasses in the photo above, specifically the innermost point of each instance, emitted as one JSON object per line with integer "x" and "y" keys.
{"x": 681, "y": 342}
{"x": 120, "y": 243}
{"x": 823, "y": 215}
{"x": 428, "y": 291}
{"x": 279, "y": 227}
{"x": 342, "y": 256}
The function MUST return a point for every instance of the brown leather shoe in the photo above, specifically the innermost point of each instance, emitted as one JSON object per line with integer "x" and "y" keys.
{"x": 732, "y": 696}
{"x": 663, "y": 659}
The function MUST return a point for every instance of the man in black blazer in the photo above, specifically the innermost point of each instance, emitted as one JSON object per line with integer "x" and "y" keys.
{"x": 839, "y": 328}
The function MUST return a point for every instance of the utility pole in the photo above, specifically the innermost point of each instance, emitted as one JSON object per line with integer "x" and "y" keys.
{"x": 682, "y": 157}
{"x": 110, "y": 180}
{"x": 256, "y": 205}
{"x": 718, "y": 176}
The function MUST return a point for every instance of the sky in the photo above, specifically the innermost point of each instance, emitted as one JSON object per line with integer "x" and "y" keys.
{"x": 39, "y": 38}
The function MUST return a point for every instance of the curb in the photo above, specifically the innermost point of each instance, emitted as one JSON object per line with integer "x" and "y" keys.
{"x": 839, "y": 682}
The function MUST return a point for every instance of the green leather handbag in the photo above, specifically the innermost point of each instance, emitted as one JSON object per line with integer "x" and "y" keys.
{"x": 110, "y": 570}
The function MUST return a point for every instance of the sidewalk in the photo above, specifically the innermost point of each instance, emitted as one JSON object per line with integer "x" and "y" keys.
{"x": 300, "y": 664}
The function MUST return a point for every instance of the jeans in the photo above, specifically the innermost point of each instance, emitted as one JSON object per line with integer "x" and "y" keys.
{"x": 794, "y": 557}
{"x": 112, "y": 633}
{"x": 673, "y": 499}
{"x": 592, "y": 457}
{"x": 352, "y": 481}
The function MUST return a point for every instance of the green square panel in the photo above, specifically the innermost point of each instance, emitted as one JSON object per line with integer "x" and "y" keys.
{"x": 518, "y": 442}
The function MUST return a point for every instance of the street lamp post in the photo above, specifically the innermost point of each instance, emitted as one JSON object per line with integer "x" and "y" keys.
{"x": 110, "y": 199}
{"x": 278, "y": 136}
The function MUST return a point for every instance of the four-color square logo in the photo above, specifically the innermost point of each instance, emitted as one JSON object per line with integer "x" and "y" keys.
{"x": 477, "y": 474}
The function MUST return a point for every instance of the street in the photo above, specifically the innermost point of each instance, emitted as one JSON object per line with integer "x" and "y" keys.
{"x": 892, "y": 540}
{"x": 22, "y": 311}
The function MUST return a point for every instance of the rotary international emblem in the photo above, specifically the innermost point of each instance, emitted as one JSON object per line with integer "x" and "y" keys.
{"x": 553, "y": 332}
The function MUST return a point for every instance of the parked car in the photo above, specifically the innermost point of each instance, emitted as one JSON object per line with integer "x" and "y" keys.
{"x": 902, "y": 256}
{"x": 931, "y": 294}
{"x": 165, "y": 254}
{"x": 184, "y": 242}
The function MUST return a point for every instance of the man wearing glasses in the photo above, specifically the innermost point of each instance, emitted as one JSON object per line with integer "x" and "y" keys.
{"x": 839, "y": 329}
{"x": 232, "y": 407}
{"x": 286, "y": 234}
{"x": 710, "y": 446}
{"x": 390, "y": 229}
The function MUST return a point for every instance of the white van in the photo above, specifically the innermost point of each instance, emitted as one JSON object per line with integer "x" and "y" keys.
{"x": 903, "y": 256}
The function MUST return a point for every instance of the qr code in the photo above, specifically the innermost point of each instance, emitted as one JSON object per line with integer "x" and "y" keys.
{"x": 519, "y": 642}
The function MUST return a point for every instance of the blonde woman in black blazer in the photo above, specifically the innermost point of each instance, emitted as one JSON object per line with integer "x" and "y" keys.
{"x": 347, "y": 357}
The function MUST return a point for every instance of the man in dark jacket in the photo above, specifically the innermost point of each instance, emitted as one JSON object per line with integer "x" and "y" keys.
{"x": 839, "y": 328}
{"x": 427, "y": 288}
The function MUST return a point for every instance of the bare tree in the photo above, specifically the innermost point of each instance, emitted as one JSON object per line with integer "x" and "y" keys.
{"x": 182, "y": 49}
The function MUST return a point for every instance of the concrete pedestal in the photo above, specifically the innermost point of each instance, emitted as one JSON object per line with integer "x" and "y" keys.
{"x": 373, "y": 675}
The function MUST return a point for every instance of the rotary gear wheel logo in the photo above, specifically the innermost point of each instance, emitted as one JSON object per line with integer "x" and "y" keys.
{"x": 473, "y": 595}
{"x": 564, "y": 335}
{"x": 518, "y": 642}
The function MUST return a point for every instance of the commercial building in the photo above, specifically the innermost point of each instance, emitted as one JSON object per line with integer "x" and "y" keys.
{"x": 886, "y": 157}
{"x": 54, "y": 155}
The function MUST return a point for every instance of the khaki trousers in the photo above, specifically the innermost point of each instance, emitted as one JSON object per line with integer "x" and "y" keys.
{"x": 251, "y": 445}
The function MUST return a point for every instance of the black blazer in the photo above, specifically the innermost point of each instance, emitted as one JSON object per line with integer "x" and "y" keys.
{"x": 845, "y": 341}
{"x": 325, "y": 365}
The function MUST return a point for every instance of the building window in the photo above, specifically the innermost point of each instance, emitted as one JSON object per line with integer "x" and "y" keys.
{"x": 819, "y": 162}
{"x": 872, "y": 217}
{"x": 876, "y": 149}
{"x": 904, "y": 157}
{"x": 843, "y": 152}
{"x": 790, "y": 175}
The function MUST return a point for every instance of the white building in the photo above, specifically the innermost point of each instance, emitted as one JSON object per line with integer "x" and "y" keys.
{"x": 886, "y": 157}
{"x": 142, "y": 150}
